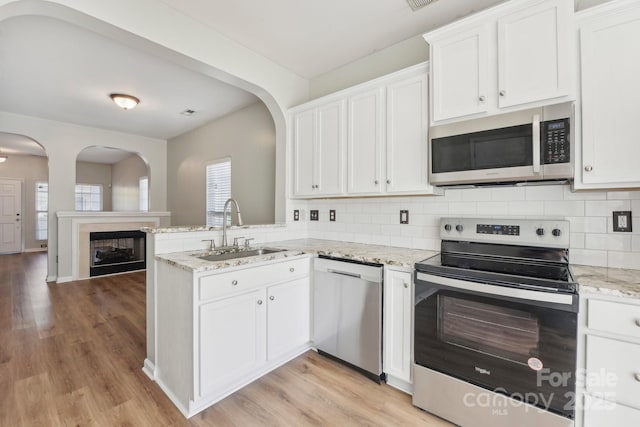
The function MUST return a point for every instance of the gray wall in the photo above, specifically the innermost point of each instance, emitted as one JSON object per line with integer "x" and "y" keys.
{"x": 96, "y": 173}
{"x": 248, "y": 137}
{"x": 30, "y": 169}
{"x": 125, "y": 182}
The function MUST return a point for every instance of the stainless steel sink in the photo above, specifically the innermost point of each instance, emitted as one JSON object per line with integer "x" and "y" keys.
{"x": 240, "y": 254}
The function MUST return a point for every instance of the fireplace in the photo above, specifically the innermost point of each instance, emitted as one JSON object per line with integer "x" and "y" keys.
{"x": 116, "y": 252}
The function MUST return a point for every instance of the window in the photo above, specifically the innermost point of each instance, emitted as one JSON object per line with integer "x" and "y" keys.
{"x": 144, "y": 193}
{"x": 88, "y": 197}
{"x": 218, "y": 189}
{"x": 42, "y": 206}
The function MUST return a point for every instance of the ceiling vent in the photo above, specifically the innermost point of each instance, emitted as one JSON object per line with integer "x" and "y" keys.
{"x": 188, "y": 112}
{"x": 419, "y": 4}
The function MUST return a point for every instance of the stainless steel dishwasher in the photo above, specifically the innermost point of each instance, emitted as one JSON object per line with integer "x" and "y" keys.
{"x": 348, "y": 313}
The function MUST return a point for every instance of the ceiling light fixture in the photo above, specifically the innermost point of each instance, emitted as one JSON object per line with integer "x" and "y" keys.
{"x": 126, "y": 102}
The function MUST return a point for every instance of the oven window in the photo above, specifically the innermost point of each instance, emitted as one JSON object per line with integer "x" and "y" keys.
{"x": 498, "y": 331}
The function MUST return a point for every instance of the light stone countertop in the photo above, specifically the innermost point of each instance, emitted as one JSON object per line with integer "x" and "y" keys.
{"x": 188, "y": 228}
{"x": 607, "y": 281}
{"x": 389, "y": 255}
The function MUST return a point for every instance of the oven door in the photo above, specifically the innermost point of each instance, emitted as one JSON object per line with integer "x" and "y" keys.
{"x": 504, "y": 154}
{"x": 517, "y": 342}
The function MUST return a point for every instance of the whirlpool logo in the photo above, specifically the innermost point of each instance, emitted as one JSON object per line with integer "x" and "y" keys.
{"x": 483, "y": 371}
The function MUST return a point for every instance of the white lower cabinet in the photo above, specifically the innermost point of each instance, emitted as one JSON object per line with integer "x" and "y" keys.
{"x": 217, "y": 332}
{"x": 398, "y": 315}
{"x": 608, "y": 362}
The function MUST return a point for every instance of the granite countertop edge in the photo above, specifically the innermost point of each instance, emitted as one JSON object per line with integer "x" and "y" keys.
{"x": 607, "y": 281}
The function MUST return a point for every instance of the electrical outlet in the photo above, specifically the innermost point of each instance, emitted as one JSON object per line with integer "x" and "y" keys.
{"x": 332, "y": 215}
{"x": 43, "y": 245}
{"x": 622, "y": 221}
{"x": 314, "y": 215}
{"x": 404, "y": 217}
{"x": 296, "y": 215}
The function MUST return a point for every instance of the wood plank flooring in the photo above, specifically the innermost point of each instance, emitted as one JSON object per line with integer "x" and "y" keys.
{"x": 71, "y": 355}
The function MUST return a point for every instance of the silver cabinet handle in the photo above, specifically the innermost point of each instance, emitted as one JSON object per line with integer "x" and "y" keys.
{"x": 482, "y": 98}
{"x": 637, "y": 322}
{"x": 388, "y": 181}
{"x": 292, "y": 269}
{"x": 259, "y": 302}
{"x": 234, "y": 282}
{"x": 637, "y": 376}
{"x": 272, "y": 298}
{"x": 375, "y": 182}
{"x": 503, "y": 93}
{"x": 588, "y": 168}
{"x": 406, "y": 285}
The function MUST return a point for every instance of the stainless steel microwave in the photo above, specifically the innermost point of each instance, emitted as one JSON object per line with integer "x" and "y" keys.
{"x": 534, "y": 150}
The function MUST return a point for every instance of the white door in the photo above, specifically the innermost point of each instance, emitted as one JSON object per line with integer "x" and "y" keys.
{"x": 610, "y": 90}
{"x": 287, "y": 317}
{"x": 407, "y": 144}
{"x": 460, "y": 75}
{"x": 304, "y": 129}
{"x": 533, "y": 53}
{"x": 397, "y": 324}
{"x": 330, "y": 152}
{"x": 232, "y": 339}
{"x": 10, "y": 216}
{"x": 365, "y": 139}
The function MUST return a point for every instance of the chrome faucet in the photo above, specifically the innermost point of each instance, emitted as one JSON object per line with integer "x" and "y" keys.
{"x": 224, "y": 219}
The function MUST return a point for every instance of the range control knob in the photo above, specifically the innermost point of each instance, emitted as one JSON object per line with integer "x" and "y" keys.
{"x": 556, "y": 232}
{"x": 540, "y": 231}
{"x": 459, "y": 227}
{"x": 447, "y": 227}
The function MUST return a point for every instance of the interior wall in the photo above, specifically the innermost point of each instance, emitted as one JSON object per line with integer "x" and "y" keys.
{"x": 248, "y": 137}
{"x": 125, "y": 182}
{"x": 29, "y": 169}
{"x": 96, "y": 174}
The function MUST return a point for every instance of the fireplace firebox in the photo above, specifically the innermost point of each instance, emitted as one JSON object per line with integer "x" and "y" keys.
{"x": 116, "y": 252}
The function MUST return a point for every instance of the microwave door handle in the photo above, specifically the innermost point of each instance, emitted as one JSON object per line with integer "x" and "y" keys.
{"x": 536, "y": 143}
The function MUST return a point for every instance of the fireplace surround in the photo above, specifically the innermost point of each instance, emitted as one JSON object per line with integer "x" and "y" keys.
{"x": 116, "y": 252}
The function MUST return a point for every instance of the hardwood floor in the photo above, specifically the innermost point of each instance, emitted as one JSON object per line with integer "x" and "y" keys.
{"x": 71, "y": 355}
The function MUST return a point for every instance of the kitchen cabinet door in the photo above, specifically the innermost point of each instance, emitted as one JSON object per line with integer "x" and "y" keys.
{"x": 533, "y": 53}
{"x": 460, "y": 73}
{"x": 407, "y": 143}
{"x": 288, "y": 317}
{"x": 232, "y": 339}
{"x": 398, "y": 314}
{"x": 364, "y": 142}
{"x": 610, "y": 89}
{"x": 304, "y": 135}
{"x": 330, "y": 151}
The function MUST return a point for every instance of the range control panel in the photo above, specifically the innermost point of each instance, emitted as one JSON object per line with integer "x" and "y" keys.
{"x": 526, "y": 232}
{"x": 555, "y": 144}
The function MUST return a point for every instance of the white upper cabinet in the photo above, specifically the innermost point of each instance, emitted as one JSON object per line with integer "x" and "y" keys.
{"x": 514, "y": 56}
{"x": 318, "y": 144}
{"x": 368, "y": 140}
{"x": 609, "y": 94}
{"x": 533, "y": 54}
{"x": 460, "y": 74}
{"x": 407, "y": 142}
{"x": 364, "y": 142}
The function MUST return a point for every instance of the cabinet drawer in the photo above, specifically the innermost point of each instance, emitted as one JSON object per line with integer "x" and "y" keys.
{"x": 218, "y": 285}
{"x": 617, "y": 318}
{"x": 600, "y": 413}
{"x": 613, "y": 370}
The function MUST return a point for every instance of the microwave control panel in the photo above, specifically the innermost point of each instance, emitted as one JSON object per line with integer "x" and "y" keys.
{"x": 555, "y": 145}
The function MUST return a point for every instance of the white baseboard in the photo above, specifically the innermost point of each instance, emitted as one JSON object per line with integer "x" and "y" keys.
{"x": 35, "y": 250}
{"x": 149, "y": 369}
{"x": 64, "y": 279}
{"x": 52, "y": 278}
{"x": 399, "y": 384}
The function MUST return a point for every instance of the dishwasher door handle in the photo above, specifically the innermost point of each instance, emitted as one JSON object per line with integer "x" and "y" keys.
{"x": 344, "y": 273}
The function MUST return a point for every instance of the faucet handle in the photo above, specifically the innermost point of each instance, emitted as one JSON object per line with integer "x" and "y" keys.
{"x": 212, "y": 244}
{"x": 246, "y": 242}
{"x": 235, "y": 240}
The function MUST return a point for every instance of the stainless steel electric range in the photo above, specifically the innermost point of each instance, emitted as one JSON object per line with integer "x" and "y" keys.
{"x": 495, "y": 324}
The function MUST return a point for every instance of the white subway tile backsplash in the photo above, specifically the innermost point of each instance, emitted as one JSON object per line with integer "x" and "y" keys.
{"x": 583, "y": 195}
{"x": 621, "y": 195}
{"x": 635, "y": 244}
{"x": 610, "y": 242}
{"x": 492, "y": 208}
{"x": 595, "y": 224}
{"x": 604, "y": 208}
{"x": 547, "y": 192}
{"x": 624, "y": 260}
{"x": 434, "y": 207}
{"x": 576, "y": 240}
{"x": 596, "y": 258}
{"x": 564, "y": 208}
{"x": 463, "y": 208}
{"x": 508, "y": 194}
{"x": 525, "y": 208}
{"x": 635, "y": 206}
{"x": 476, "y": 194}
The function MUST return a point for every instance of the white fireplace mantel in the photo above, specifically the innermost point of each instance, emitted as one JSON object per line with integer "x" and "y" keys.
{"x": 73, "y": 230}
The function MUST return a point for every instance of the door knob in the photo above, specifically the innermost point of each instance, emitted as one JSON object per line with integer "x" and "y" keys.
{"x": 588, "y": 168}
{"x": 406, "y": 285}
{"x": 503, "y": 93}
{"x": 234, "y": 282}
{"x": 388, "y": 181}
{"x": 482, "y": 98}
{"x": 272, "y": 298}
{"x": 375, "y": 182}
{"x": 259, "y": 302}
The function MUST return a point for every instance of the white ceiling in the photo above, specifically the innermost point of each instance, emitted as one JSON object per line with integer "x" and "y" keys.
{"x": 55, "y": 70}
{"x": 313, "y": 37}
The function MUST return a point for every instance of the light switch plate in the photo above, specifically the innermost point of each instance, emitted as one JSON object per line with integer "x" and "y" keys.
{"x": 622, "y": 221}
{"x": 313, "y": 215}
{"x": 296, "y": 215}
{"x": 332, "y": 215}
{"x": 404, "y": 217}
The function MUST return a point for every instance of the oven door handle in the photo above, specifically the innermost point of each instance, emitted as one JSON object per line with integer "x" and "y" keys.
{"x": 503, "y": 291}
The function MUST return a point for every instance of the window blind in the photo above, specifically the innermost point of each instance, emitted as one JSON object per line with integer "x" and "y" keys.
{"x": 42, "y": 206}
{"x": 88, "y": 197}
{"x": 144, "y": 193}
{"x": 218, "y": 190}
